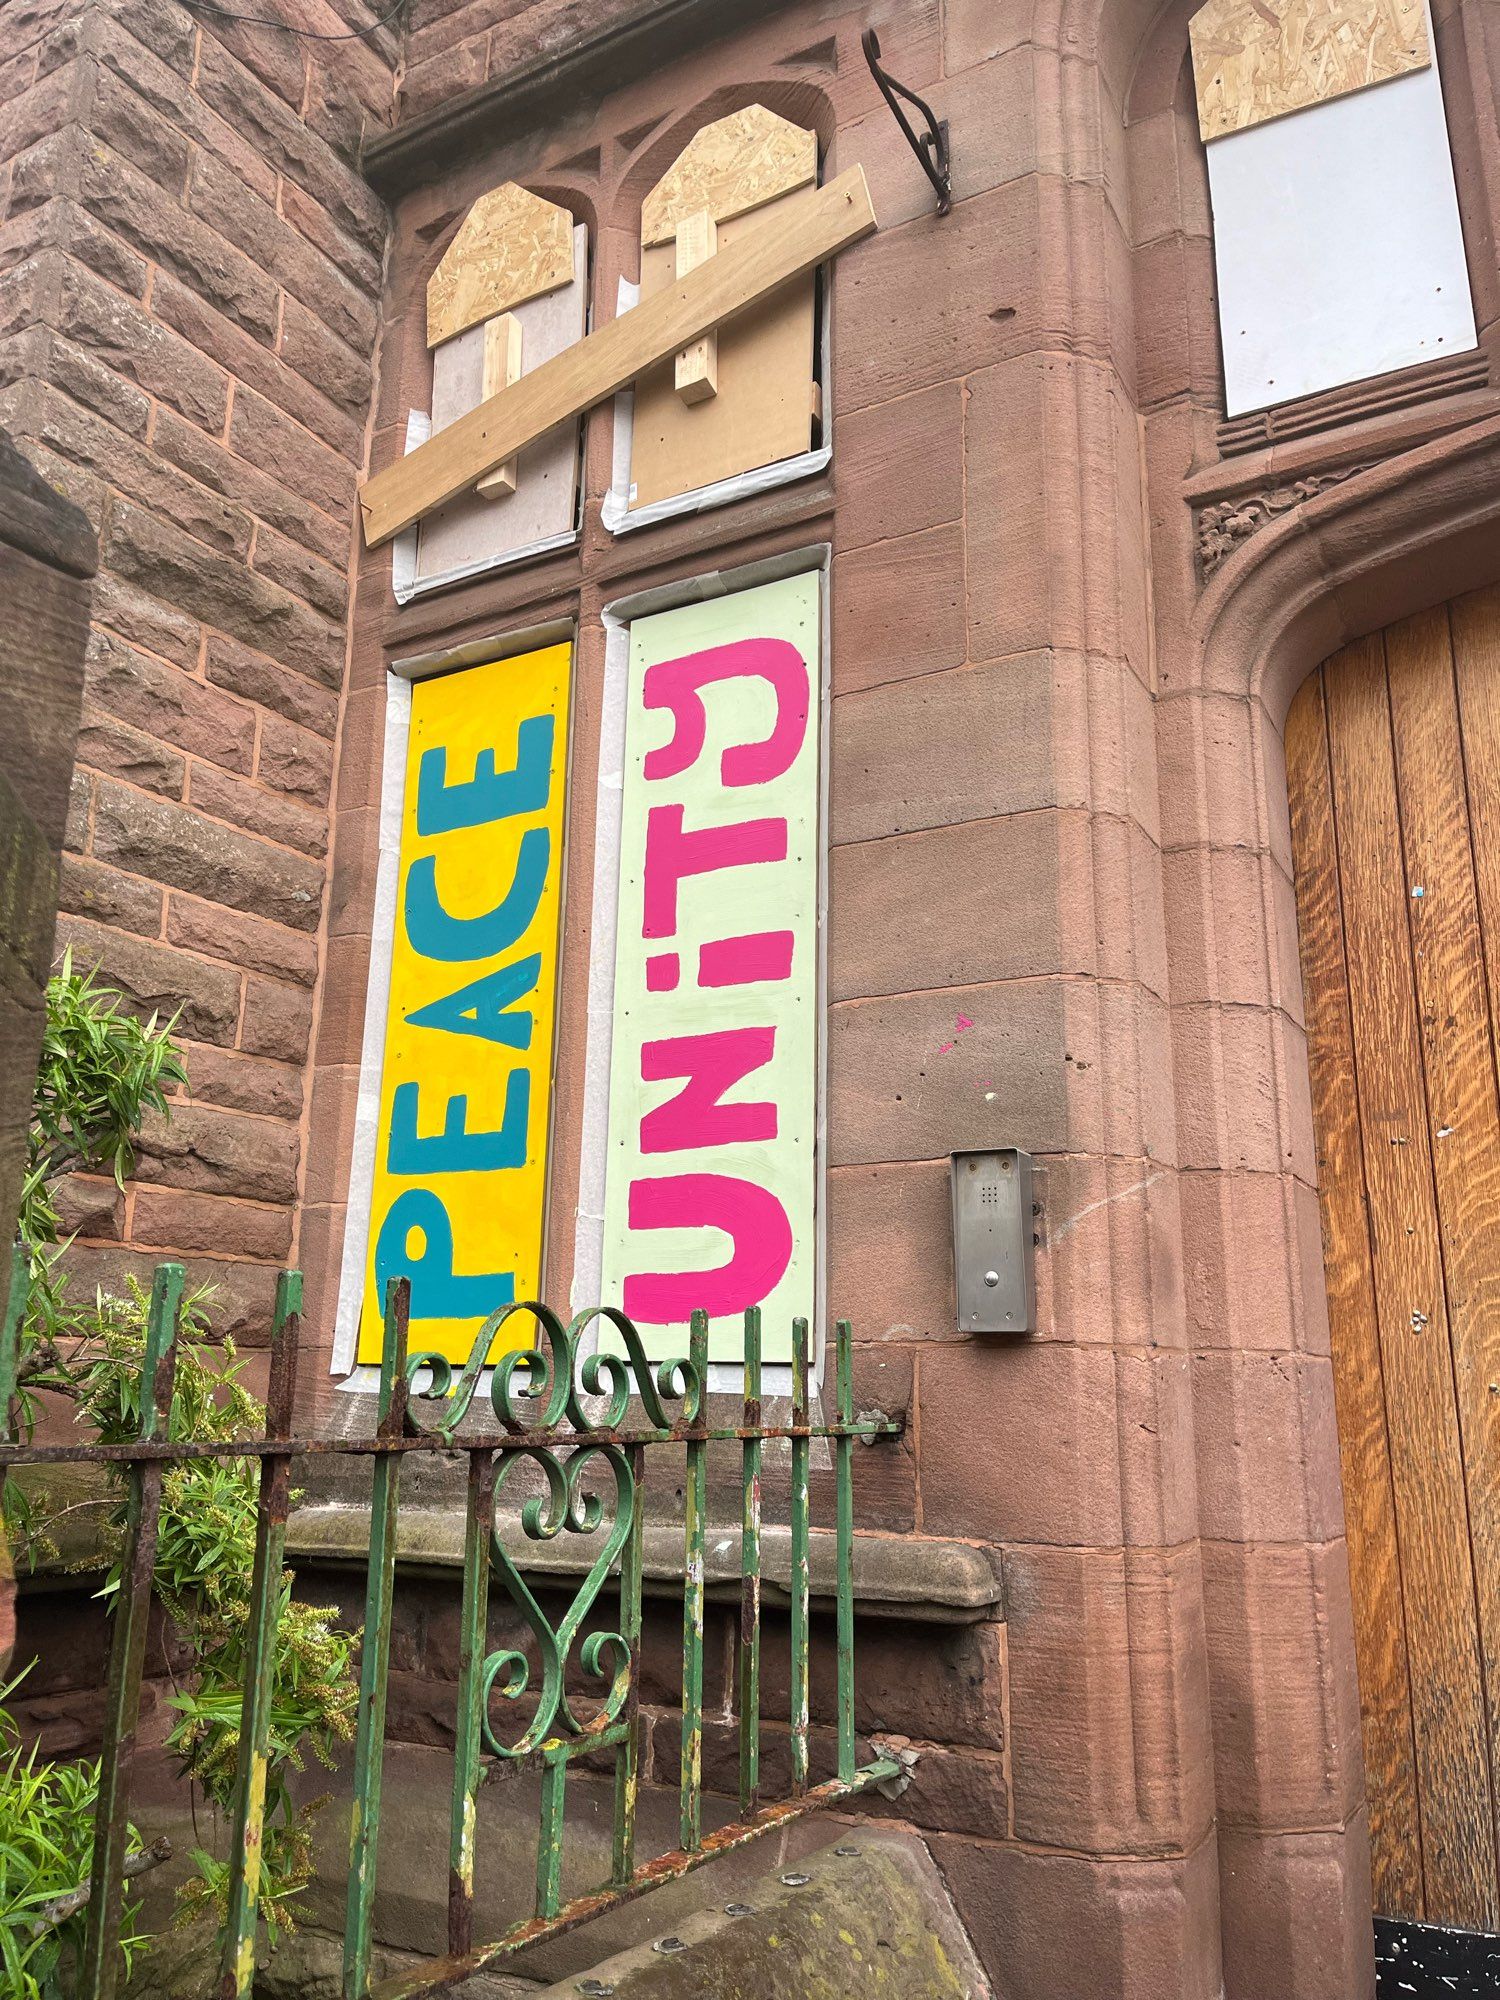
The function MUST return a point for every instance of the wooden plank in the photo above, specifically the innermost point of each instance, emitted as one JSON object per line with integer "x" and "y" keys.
{"x": 1254, "y": 60}
{"x": 1359, "y": 1392}
{"x": 826, "y": 220}
{"x": 729, "y": 167}
{"x": 1459, "y": 1058}
{"x": 510, "y": 247}
{"x": 1458, "y": 1858}
{"x": 765, "y": 371}
{"x": 697, "y": 367}
{"x": 502, "y": 366}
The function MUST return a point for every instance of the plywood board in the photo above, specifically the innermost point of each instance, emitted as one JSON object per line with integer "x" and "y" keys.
{"x": 1364, "y": 271}
{"x": 763, "y": 408}
{"x": 771, "y": 255}
{"x": 729, "y": 167}
{"x": 711, "y": 1180}
{"x": 458, "y": 1200}
{"x": 1255, "y": 60}
{"x": 511, "y": 246}
{"x": 473, "y": 527}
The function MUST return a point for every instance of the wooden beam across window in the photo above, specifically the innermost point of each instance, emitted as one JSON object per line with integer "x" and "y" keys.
{"x": 825, "y": 221}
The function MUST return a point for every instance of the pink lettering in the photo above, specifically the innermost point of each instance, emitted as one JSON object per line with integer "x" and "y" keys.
{"x": 751, "y": 1217}
{"x": 678, "y": 685}
{"x": 662, "y": 971}
{"x": 741, "y": 961}
{"x": 712, "y": 1064}
{"x": 672, "y": 854}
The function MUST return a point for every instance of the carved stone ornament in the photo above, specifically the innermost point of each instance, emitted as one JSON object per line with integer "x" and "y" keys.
{"x": 1223, "y": 526}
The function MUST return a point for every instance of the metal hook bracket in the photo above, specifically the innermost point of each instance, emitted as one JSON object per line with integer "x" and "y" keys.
{"x": 931, "y": 146}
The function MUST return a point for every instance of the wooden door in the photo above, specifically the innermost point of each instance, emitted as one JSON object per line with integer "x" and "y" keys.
{"x": 1393, "y": 764}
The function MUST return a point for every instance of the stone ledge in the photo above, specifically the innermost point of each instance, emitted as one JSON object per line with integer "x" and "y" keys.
{"x": 928, "y": 1580}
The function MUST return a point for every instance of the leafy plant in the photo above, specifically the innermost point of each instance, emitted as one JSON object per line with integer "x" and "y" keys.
{"x": 102, "y": 1072}
{"x": 46, "y": 1838}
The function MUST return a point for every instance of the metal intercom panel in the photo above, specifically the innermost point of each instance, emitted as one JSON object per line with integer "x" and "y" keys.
{"x": 993, "y": 1266}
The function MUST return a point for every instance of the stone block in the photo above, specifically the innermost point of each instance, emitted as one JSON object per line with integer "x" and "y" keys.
{"x": 890, "y": 1235}
{"x": 899, "y": 466}
{"x": 1056, "y": 1925}
{"x": 241, "y": 1082}
{"x": 259, "y": 493}
{"x": 943, "y": 750}
{"x": 107, "y": 897}
{"x": 908, "y": 1081}
{"x": 898, "y": 609}
{"x": 277, "y": 1021}
{"x": 156, "y": 979}
{"x": 304, "y": 575}
{"x": 90, "y": 1207}
{"x": 167, "y": 703}
{"x": 160, "y": 228}
{"x": 1110, "y": 1742}
{"x": 1082, "y": 1445}
{"x": 1109, "y": 1262}
{"x": 171, "y": 844}
{"x": 209, "y": 1151}
{"x": 178, "y": 1221}
{"x": 289, "y": 451}
{"x": 1024, "y": 528}
{"x": 1296, "y": 1912}
{"x": 119, "y": 752}
{"x": 949, "y": 1688}
{"x": 162, "y": 560}
{"x": 242, "y": 940}
{"x": 1281, "y": 1673}
{"x": 271, "y": 814}
{"x": 261, "y": 680}
{"x": 255, "y": 367}
{"x": 948, "y": 906}
{"x": 1268, "y": 1467}
{"x": 243, "y": 1294}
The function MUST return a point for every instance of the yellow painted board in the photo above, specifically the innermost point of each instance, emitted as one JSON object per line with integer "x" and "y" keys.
{"x": 779, "y": 249}
{"x": 459, "y": 1196}
{"x": 1254, "y": 60}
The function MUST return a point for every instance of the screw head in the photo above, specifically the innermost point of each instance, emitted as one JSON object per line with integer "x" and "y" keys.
{"x": 669, "y": 1944}
{"x": 596, "y": 1989}
{"x": 848, "y": 1853}
{"x": 796, "y": 1879}
{"x": 739, "y": 1909}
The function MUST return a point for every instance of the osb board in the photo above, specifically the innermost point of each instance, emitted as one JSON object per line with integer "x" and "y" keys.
{"x": 510, "y": 247}
{"x": 472, "y": 528}
{"x": 736, "y": 164}
{"x": 763, "y": 409}
{"x": 1254, "y": 60}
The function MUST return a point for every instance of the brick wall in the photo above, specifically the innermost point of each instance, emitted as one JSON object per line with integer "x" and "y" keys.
{"x": 188, "y": 312}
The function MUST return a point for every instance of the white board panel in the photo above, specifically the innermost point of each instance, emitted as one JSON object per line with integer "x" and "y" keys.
{"x": 1337, "y": 241}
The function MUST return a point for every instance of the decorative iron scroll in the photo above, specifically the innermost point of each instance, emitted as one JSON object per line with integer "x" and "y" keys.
{"x": 564, "y": 1407}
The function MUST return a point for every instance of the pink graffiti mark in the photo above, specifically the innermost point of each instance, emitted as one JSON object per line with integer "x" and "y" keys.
{"x": 678, "y": 685}
{"x": 960, "y": 1027}
{"x": 662, "y": 970}
{"x": 751, "y": 1217}
{"x": 711, "y": 1063}
{"x": 672, "y": 854}
{"x": 743, "y": 961}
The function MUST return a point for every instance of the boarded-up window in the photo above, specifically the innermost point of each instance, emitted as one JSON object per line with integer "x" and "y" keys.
{"x": 1336, "y": 225}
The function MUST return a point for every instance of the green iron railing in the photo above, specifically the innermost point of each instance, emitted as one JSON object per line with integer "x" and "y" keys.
{"x": 541, "y": 1397}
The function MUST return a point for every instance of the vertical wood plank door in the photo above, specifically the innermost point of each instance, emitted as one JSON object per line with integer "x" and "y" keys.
{"x": 1393, "y": 770}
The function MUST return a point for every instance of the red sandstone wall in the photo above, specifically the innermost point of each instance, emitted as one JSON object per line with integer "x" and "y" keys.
{"x": 191, "y": 271}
